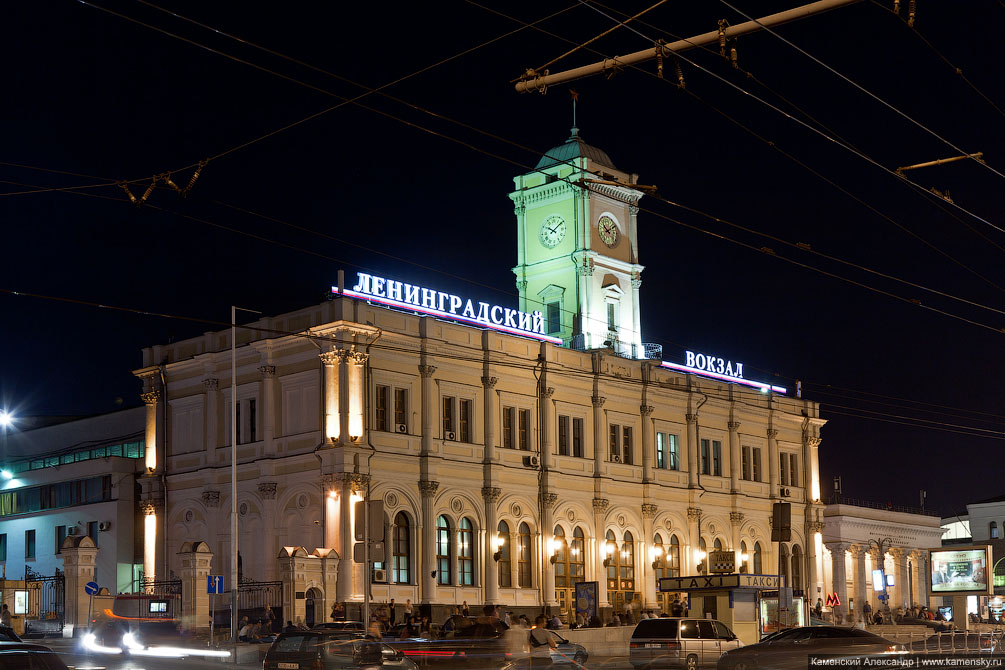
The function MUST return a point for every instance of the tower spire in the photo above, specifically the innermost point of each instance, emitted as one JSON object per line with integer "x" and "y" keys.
{"x": 575, "y": 97}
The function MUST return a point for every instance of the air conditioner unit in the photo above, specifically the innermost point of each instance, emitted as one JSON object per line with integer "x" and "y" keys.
{"x": 785, "y": 493}
{"x": 615, "y": 458}
{"x": 105, "y": 526}
{"x": 400, "y": 428}
{"x": 531, "y": 461}
{"x": 72, "y": 530}
{"x": 449, "y": 435}
{"x": 379, "y": 575}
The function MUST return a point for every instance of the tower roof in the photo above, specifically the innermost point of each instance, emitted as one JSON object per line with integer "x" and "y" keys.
{"x": 575, "y": 147}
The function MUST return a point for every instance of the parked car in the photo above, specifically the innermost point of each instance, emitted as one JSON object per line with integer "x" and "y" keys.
{"x": 472, "y": 643}
{"x": 680, "y": 642}
{"x": 565, "y": 652}
{"x": 396, "y": 660}
{"x": 327, "y": 649}
{"x": 17, "y": 655}
{"x": 7, "y": 634}
{"x": 791, "y": 648}
{"x": 340, "y": 624}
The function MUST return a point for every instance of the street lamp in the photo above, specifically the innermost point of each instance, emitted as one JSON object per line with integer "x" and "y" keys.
{"x": 881, "y": 546}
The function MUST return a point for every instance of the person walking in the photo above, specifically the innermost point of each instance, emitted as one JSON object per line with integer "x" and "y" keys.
{"x": 390, "y": 611}
{"x": 5, "y": 616}
{"x": 408, "y": 610}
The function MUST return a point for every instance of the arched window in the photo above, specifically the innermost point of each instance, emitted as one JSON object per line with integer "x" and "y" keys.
{"x": 717, "y": 545}
{"x": 523, "y": 557}
{"x": 561, "y": 558}
{"x": 620, "y": 570}
{"x": 673, "y": 557}
{"x": 659, "y": 557}
{"x": 401, "y": 549}
{"x": 797, "y": 567}
{"x": 505, "y": 566}
{"x": 993, "y": 530}
{"x": 465, "y": 554}
{"x": 757, "y": 558}
{"x": 702, "y": 556}
{"x": 783, "y": 564}
{"x": 443, "y": 575}
{"x": 628, "y": 562}
{"x": 744, "y": 558}
{"x": 577, "y": 557}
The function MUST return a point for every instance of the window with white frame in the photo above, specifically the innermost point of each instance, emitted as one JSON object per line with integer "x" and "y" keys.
{"x": 456, "y": 416}
{"x": 465, "y": 553}
{"x": 667, "y": 451}
{"x": 390, "y": 404}
{"x": 570, "y": 436}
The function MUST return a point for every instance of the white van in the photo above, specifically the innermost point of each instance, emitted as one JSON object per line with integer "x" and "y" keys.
{"x": 680, "y": 642}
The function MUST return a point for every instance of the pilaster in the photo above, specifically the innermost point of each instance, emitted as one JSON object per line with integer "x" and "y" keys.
{"x": 196, "y": 563}
{"x": 427, "y": 565}
{"x": 600, "y": 506}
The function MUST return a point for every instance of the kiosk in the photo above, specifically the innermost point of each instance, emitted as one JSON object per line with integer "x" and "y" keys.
{"x": 733, "y": 599}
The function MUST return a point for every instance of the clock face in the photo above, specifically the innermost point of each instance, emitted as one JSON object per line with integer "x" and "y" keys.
{"x": 552, "y": 231}
{"x": 608, "y": 230}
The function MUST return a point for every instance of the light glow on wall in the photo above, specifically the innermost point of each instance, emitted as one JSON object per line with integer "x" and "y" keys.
{"x": 355, "y": 400}
{"x": 149, "y": 545}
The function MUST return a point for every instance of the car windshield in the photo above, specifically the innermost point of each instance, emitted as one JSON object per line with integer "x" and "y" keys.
{"x": 661, "y": 628}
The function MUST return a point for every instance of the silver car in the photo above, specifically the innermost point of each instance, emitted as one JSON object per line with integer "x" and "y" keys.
{"x": 680, "y": 642}
{"x": 791, "y": 648}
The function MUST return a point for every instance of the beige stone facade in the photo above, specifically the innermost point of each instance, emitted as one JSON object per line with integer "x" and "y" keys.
{"x": 508, "y": 468}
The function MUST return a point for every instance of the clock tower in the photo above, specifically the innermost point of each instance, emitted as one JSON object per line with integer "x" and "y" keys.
{"x": 577, "y": 248}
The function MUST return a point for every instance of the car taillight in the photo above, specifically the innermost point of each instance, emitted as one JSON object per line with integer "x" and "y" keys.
{"x": 316, "y": 664}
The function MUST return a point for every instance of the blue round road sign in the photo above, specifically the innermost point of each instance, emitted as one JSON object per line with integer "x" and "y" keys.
{"x": 91, "y": 588}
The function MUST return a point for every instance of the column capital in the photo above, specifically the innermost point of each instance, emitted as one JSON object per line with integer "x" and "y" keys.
{"x": 331, "y": 358}
{"x": 150, "y": 397}
{"x": 428, "y": 488}
{"x": 691, "y": 418}
{"x": 772, "y": 433}
{"x": 268, "y": 371}
{"x": 636, "y": 280}
{"x": 211, "y": 498}
{"x": 151, "y": 507}
{"x": 548, "y": 392}
{"x": 491, "y": 494}
{"x": 736, "y": 518}
{"x": 600, "y": 505}
{"x": 838, "y": 547}
{"x": 267, "y": 490}
{"x": 211, "y": 384}
{"x": 693, "y": 513}
{"x": 897, "y": 553}
{"x": 815, "y": 526}
{"x": 649, "y": 510}
{"x": 646, "y": 410}
{"x": 357, "y": 357}
{"x": 427, "y": 371}
{"x": 733, "y": 425}
{"x": 549, "y": 499}
{"x": 358, "y": 482}
{"x": 598, "y": 401}
{"x": 813, "y": 441}
{"x": 489, "y": 382}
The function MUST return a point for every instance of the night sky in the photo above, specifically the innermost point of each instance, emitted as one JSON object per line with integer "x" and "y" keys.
{"x": 416, "y": 187}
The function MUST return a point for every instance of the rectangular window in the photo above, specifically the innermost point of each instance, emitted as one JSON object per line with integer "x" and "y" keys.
{"x": 507, "y": 426}
{"x": 554, "y": 318}
{"x": 238, "y": 422}
{"x": 60, "y": 536}
{"x": 615, "y": 444}
{"x": 783, "y": 468}
{"x": 673, "y": 443}
{"x": 380, "y": 408}
{"x": 252, "y": 420}
{"x": 745, "y": 463}
{"x": 401, "y": 410}
{"x": 717, "y": 458}
{"x": 661, "y": 451}
{"x": 525, "y": 429}
{"x": 464, "y": 419}
{"x": 793, "y": 470}
{"x": 626, "y": 452}
{"x": 756, "y": 464}
{"x": 3, "y": 547}
{"x": 706, "y": 458}
{"x": 611, "y": 322}
{"x": 448, "y": 415}
{"x": 29, "y": 545}
{"x": 563, "y": 436}
{"x": 577, "y": 438}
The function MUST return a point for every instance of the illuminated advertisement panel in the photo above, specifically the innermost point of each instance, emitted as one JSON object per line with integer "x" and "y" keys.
{"x": 960, "y": 570}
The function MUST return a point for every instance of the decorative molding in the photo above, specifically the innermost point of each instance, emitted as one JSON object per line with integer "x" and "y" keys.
{"x": 736, "y": 517}
{"x": 815, "y": 527}
{"x": 838, "y": 547}
{"x": 621, "y": 520}
{"x": 151, "y": 507}
{"x": 813, "y": 441}
{"x": 691, "y": 418}
{"x": 211, "y": 384}
{"x": 491, "y": 494}
{"x": 548, "y": 392}
{"x": 549, "y": 499}
{"x": 518, "y": 210}
{"x": 427, "y": 371}
{"x": 428, "y": 488}
{"x": 633, "y": 210}
{"x": 358, "y": 482}
{"x": 733, "y": 426}
{"x": 150, "y": 397}
{"x": 571, "y": 514}
{"x": 516, "y": 510}
{"x": 211, "y": 498}
{"x": 587, "y": 267}
{"x": 331, "y": 358}
{"x": 598, "y": 401}
{"x": 391, "y": 499}
{"x": 457, "y": 505}
{"x": 268, "y": 371}
{"x": 267, "y": 490}
{"x": 489, "y": 382}
{"x": 357, "y": 357}
{"x": 772, "y": 433}
{"x": 521, "y": 285}
{"x": 600, "y": 505}
{"x": 636, "y": 280}
{"x": 330, "y": 482}
{"x": 649, "y": 510}
{"x": 693, "y": 513}
{"x": 646, "y": 410}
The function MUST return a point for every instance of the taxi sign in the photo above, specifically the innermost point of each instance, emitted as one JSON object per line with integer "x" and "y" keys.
{"x": 699, "y": 582}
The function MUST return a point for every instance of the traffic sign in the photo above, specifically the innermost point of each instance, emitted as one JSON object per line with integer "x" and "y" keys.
{"x": 833, "y": 600}
{"x": 91, "y": 588}
{"x": 214, "y": 583}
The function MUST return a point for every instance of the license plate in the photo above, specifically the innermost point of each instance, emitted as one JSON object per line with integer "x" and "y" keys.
{"x": 288, "y": 666}
{"x": 653, "y": 645}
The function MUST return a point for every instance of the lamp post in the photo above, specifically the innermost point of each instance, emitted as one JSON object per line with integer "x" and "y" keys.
{"x": 881, "y": 546}
{"x": 6, "y": 421}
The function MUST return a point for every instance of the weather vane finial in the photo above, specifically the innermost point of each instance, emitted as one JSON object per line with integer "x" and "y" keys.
{"x": 575, "y": 97}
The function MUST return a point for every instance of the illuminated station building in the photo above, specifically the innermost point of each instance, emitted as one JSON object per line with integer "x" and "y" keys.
{"x": 517, "y": 449}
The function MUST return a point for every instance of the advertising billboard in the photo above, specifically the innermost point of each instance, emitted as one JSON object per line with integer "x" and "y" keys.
{"x": 960, "y": 570}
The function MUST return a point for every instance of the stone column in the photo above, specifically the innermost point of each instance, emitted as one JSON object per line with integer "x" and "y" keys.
{"x": 861, "y": 584}
{"x": 812, "y": 577}
{"x": 355, "y": 363}
{"x": 599, "y": 437}
{"x": 212, "y": 437}
{"x": 489, "y": 400}
{"x": 734, "y": 457}
{"x": 152, "y": 433}
{"x": 600, "y": 506}
{"x": 270, "y": 525}
{"x": 735, "y": 522}
{"x": 648, "y": 446}
{"x": 923, "y": 575}
{"x": 427, "y": 408}
{"x": 692, "y": 451}
{"x": 548, "y": 501}
{"x": 773, "y": 463}
{"x": 343, "y": 398}
{"x": 636, "y": 280}
{"x": 649, "y": 512}
{"x": 900, "y": 595}
{"x": 196, "y": 561}
{"x": 811, "y": 476}
{"x": 153, "y": 536}
{"x": 331, "y": 428}
{"x": 689, "y": 563}
{"x": 491, "y": 494}
{"x": 838, "y": 552}
{"x": 427, "y": 562}
{"x": 79, "y": 558}
{"x": 547, "y": 427}
{"x": 268, "y": 411}
{"x": 343, "y": 584}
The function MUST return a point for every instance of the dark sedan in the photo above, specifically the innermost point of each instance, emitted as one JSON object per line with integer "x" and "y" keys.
{"x": 28, "y": 656}
{"x": 791, "y": 648}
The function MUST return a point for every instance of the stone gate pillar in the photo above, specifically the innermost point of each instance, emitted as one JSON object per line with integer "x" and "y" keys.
{"x": 79, "y": 556}
{"x": 196, "y": 563}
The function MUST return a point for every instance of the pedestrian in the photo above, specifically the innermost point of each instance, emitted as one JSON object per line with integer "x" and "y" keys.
{"x": 245, "y": 632}
{"x": 580, "y": 620}
{"x": 390, "y": 611}
{"x": 541, "y": 642}
{"x": 290, "y": 628}
{"x": 270, "y": 620}
{"x": 867, "y": 611}
{"x": 5, "y": 616}
{"x": 465, "y": 610}
{"x": 408, "y": 610}
{"x": 507, "y": 620}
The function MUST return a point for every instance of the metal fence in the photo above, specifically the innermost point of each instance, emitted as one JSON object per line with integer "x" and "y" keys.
{"x": 954, "y": 641}
{"x": 253, "y": 595}
{"x": 46, "y": 603}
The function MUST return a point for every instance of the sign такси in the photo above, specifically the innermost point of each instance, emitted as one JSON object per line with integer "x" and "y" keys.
{"x": 699, "y": 582}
